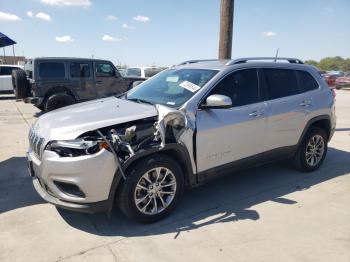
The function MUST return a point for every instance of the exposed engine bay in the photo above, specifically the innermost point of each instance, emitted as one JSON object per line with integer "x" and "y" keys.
{"x": 128, "y": 139}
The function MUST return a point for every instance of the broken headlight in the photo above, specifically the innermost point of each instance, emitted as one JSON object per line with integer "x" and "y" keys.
{"x": 77, "y": 147}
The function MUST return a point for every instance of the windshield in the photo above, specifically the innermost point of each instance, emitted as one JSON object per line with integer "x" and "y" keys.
{"x": 172, "y": 87}
{"x": 133, "y": 72}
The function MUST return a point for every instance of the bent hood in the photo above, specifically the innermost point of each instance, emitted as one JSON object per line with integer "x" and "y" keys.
{"x": 72, "y": 121}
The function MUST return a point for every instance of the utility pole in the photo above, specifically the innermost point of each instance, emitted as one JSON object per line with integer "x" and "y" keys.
{"x": 226, "y": 28}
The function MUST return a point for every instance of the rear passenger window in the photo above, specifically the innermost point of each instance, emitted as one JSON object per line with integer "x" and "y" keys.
{"x": 241, "y": 86}
{"x": 280, "y": 82}
{"x": 51, "y": 70}
{"x": 80, "y": 70}
{"x": 306, "y": 81}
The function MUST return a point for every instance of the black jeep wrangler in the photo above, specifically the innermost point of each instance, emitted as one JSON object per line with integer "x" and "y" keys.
{"x": 51, "y": 83}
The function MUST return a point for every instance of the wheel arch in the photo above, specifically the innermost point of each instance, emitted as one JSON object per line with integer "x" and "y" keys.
{"x": 59, "y": 89}
{"x": 173, "y": 150}
{"x": 322, "y": 121}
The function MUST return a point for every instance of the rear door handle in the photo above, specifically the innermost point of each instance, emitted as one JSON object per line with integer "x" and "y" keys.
{"x": 305, "y": 103}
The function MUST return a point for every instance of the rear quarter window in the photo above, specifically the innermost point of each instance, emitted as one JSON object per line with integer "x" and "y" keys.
{"x": 306, "y": 81}
{"x": 51, "y": 70}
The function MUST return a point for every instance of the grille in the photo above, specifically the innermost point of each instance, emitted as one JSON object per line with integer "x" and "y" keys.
{"x": 35, "y": 142}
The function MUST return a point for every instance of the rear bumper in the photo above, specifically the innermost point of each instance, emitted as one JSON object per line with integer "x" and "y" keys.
{"x": 33, "y": 100}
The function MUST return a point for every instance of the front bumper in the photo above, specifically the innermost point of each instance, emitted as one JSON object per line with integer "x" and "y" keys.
{"x": 91, "y": 174}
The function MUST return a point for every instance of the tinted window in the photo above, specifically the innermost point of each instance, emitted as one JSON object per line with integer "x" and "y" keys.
{"x": 133, "y": 72}
{"x": 7, "y": 70}
{"x": 241, "y": 87}
{"x": 104, "y": 69}
{"x": 280, "y": 82}
{"x": 79, "y": 70}
{"x": 306, "y": 81}
{"x": 51, "y": 69}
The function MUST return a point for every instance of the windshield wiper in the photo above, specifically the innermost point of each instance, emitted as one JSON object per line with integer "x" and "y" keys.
{"x": 139, "y": 100}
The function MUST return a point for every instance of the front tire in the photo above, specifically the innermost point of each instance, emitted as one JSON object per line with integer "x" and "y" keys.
{"x": 312, "y": 150}
{"x": 152, "y": 189}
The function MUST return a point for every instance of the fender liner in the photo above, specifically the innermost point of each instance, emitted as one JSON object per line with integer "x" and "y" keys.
{"x": 177, "y": 151}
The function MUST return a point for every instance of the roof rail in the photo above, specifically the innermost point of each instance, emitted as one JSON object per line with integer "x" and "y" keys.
{"x": 246, "y": 59}
{"x": 198, "y": 61}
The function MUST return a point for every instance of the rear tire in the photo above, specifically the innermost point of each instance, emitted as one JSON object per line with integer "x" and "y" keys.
{"x": 160, "y": 191}
{"x": 57, "y": 101}
{"x": 20, "y": 84}
{"x": 312, "y": 150}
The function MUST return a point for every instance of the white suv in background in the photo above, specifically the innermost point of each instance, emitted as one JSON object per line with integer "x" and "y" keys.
{"x": 6, "y": 78}
{"x": 145, "y": 72}
{"x": 179, "y": 129}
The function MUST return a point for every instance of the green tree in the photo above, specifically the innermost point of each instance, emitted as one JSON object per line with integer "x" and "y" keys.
{"x": 331, "y": 63}
{"x": 311, "y": 62}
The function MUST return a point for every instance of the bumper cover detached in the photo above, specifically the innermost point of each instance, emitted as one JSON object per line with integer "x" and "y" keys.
{"x": 92, "y": 175}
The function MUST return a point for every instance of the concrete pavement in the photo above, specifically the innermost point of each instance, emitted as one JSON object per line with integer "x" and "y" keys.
{"x": 271, "y": 213}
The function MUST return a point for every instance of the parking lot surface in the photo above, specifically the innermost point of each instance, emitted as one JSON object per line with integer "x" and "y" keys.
{"x": 270, "y": 213}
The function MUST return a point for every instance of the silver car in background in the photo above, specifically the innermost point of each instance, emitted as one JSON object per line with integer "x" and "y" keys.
{"x": 178, "y": 129}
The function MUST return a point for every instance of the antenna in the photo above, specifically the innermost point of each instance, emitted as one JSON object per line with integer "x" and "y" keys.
{"x": 276, "y": 54}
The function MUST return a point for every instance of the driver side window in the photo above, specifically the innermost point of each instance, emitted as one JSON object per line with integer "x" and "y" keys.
{"x": 104, "y": 70}
{"x": 241, "y": 86}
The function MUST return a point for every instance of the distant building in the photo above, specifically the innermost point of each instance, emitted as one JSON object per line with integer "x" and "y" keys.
{"x": 12, "y": 60}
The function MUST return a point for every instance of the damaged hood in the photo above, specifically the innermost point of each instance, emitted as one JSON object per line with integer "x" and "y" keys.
{"x": 72, "y": 121}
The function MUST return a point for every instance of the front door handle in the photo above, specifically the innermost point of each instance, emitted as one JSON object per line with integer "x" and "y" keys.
{"x": 256, "y": 113}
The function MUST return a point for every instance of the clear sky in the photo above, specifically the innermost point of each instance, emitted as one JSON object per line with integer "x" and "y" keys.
{"x": 165, "y": 32}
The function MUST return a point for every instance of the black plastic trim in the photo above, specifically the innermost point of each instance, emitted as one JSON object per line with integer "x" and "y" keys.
{"x": 182, "y": 152}
{"x": 312, "y": 121}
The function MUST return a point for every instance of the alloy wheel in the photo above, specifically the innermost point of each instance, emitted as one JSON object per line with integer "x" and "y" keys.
{"x": 315, "y": 150}
{"x": 155, "y": 191}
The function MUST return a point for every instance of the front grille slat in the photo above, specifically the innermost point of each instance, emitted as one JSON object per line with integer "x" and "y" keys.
{"x": 35, "y": 142}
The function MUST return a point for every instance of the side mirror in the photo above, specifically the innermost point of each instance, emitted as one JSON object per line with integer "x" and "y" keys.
{"x": 217, "y": 102}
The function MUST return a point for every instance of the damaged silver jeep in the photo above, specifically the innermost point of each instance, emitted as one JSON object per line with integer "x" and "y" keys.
{"x": 177, "y": 129}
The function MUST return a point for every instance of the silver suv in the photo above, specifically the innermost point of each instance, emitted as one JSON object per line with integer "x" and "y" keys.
{"x": 181, "y": 127}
